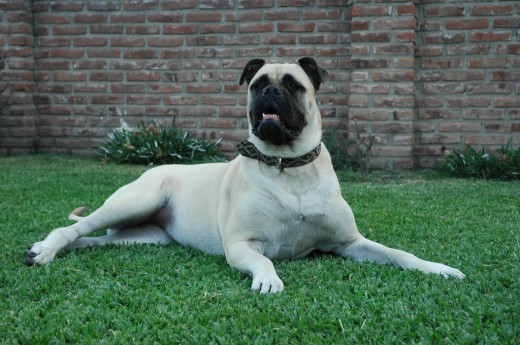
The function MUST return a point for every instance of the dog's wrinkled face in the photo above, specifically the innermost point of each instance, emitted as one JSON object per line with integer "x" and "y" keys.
{"x": 279, "y": 95}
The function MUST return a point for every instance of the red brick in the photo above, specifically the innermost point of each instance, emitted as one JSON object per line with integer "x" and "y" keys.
{"x": 445, "y": 11}
{"x": 206, "y": 40}
{"x": 203, "y": 17}
{"x": 486, "y": 88}
{"x": 262, "y": 27}
{"x": 457, "y": 37}
{"x": 462, "y": 102}
{"x": 104, "y": 6}
{"x": 490, "y": 36}
{"x": 369, "y": 11}
{"x": 360, "y": 25}
{"x": 254, "y": 52}
{"x": 370, "y": 115}
{"x": 488, "y": 62}
{"x": 430, "y": 51}
{"x": 89, "y": 64}
{"x": 137, "y": 5}
{"x": 143, "y": 76}
{"x": 127, "y": 18}
{"x": 217, "y": 28}
{"x": 295, "y": 52}
{"x": 460, "y": 126}
{"x": 483, "y": 114}
{"x": 90, "y": 18}
{"x": 334, "y": 14}
{"x": 462, "y": 24}
{"x": 513, "y": 22}
{"x": 491, "y": 10}
{"x": 90, "y": 41}
{"x": 513, "y": 49}
{"x": 480, "y": 49}
{"x": 142, "y": 29}
{"x": 362, "y": 63}
{"x": 295, "y": 27}
{"x": 67, "y": 53}
{"x": 178, "y": 4}
{"x": 406, "y": 36}
{"x": 392, "y": 24}
{"x": 403, "y": 10}
{"x": 487, "y": 139}
{"x": 164, "y": 17}
{"x": 104, "y": 53}
{"x": 332, "y": 26}
{"x": 510, "y": 102}
{"x": 505, "y": 75}
{"x": 395, "y": 49}
{"x": 392, "y": 75}
{"x": 127, "y": 42}
{"x": 106, "y": 29}
{"x": 255, "y": 4}
{"x": 277, "y": 15}
{"x": 69, "y": 30}
{"x": 107, "y": 99}
{"x": 106, "y": 76}
{"x": 449, "y": 88}
{"x": 180, "y": 29}
{"x": 54, "y": 42}
{"x": 441, "y": 63}
{"x": 370, "y": 37}
{"x": 147, "y": 100}
{"x": 52, "y": 19}
{"x": 279, "y": 39}
{"x": 165, "y": 41}
{"x": 158, "y": 88}
{"x": 57, "y": 6}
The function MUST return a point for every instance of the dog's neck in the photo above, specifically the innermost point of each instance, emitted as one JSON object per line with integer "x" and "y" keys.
{"x": 248, "y": 149}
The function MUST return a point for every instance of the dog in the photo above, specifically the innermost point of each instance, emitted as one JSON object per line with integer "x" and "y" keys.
{"x": 280, "y": 198}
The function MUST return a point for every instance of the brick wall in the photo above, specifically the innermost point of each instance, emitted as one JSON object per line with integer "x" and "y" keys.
{"x": 17, "y": 110}
{"x": 416, "y": 76}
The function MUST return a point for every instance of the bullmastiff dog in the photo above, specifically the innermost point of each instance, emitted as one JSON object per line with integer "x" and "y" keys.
{"x": 280, "y": 198}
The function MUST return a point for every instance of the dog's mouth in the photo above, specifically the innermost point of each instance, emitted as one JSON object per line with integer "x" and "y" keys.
{"x": 273, "y": 123}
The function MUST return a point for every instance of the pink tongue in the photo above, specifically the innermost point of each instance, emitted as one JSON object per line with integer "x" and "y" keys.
{"x": 271, "y": 116}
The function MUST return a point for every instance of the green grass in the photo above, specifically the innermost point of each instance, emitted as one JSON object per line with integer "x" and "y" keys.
{"x": 173, "y": 294}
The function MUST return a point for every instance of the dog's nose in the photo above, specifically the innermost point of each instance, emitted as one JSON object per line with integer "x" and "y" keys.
{"x": 272, "y": 90}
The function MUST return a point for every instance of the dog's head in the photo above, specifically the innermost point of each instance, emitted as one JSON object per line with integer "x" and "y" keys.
{"x": 282, "y": 101}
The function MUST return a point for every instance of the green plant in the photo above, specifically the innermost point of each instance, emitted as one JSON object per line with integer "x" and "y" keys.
{"x": 350, "y": 154}
{"x": 155, "y": 144}
{"x": 469, "y": 162}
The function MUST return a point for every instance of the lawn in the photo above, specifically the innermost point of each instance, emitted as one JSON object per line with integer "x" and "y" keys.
{"x": 166, "y": 295}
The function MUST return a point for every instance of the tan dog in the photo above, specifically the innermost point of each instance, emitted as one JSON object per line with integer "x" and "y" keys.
{"x": 279, "y": 199}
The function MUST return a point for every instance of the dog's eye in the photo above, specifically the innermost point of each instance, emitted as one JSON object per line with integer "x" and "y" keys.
{"x": 293, "y": 86}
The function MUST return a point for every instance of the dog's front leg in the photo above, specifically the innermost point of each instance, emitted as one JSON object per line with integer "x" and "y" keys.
{"x": 246, "y": 256}
{"x": 366, "y": 250}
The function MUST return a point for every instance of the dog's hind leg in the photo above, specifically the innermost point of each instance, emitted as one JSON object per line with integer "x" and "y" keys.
{"x": 131, "y": 205}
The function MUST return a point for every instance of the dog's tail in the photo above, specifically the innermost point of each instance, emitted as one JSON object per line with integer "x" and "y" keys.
{"x": 77, "y": 214}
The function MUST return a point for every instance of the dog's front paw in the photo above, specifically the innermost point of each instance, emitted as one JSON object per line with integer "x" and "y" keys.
{"x": 39, "y": 254}
{"x": 267, "y": 283}
{"x": 444, "y": 270}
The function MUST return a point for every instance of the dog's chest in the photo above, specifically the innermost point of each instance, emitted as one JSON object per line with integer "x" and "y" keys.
{"x": 298, "y": 226}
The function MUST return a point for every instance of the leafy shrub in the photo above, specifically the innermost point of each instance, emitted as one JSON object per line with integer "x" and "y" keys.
{"x": 350, "y": 154}
{"x": 154, "y": 145}
{"x": 481, "y": 164}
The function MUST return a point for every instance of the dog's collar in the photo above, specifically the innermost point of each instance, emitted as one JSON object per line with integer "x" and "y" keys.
{"x": 248, "y": 149}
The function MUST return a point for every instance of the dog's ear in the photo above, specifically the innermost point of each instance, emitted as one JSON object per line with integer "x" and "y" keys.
{"x": 316, "y": 73}
{"x": 250, "y": 70}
